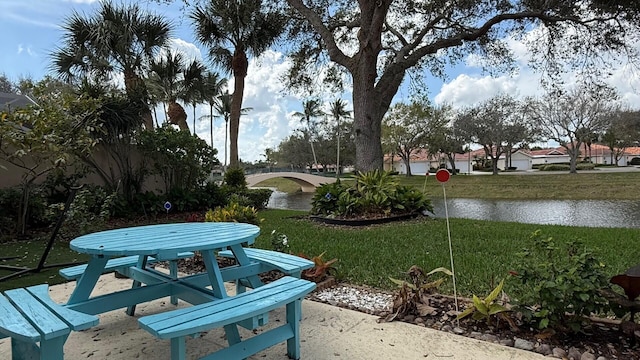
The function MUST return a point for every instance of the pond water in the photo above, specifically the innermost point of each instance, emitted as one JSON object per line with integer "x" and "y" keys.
{"x": 593, "y": 213}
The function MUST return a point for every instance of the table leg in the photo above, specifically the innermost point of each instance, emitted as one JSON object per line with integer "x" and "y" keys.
{"x": 88, "y": 280}
{"x": 215, "y": 276}
{"x": 242, "y": 259}
{"x": 142, "y": 263}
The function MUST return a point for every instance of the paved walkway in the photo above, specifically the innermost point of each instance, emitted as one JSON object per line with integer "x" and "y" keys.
{"x": 327, "y": 332}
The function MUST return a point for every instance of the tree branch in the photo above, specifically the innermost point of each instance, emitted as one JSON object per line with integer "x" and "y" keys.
{"x": 335, "y": 54}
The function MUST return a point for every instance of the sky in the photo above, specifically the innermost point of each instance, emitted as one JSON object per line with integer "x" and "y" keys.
{"x": 32, "y": 30}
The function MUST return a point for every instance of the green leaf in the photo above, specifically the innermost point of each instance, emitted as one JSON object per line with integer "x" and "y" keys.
{"x": 543, "y": 323}
{"x": 496, "y": 308}
{"x": 494, "y": 294}
{"x": 440, "y": 269}
{"x": 480, "y": 305}
{"x": 468, "y": 311}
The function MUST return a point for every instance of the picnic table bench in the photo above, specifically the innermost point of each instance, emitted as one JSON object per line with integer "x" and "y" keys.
{"x": 228, "y": 313}
{"x": 29, "y": 317}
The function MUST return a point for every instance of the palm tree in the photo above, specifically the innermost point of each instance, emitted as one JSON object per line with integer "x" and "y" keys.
{"x": 212, "y": 85}
{"x": 338, "y": 111}
{"x": 117, "y": 39}
{"x": 193, "y": 87}
{"x": 223, "y": 108}
{"x": 169, "y": 71}
{"x": 232, "y": 30}
{"x": 311, "y": 111}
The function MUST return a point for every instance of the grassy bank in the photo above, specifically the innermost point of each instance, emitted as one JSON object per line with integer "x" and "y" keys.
{"x": 583, "y": 186}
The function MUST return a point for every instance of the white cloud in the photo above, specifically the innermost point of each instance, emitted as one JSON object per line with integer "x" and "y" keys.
{"x": 189, "y": 50}
{"x": 466, "y": 90}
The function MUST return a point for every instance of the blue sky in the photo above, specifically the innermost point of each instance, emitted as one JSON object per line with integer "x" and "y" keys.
{"x": 32, "y": 31}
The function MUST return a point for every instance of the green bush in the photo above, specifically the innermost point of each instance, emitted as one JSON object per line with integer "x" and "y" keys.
{"x": 90, "y": 209}
{"x": 184, "y": 161}
{"x": 233, "y": 213}
{"x": 555, "y": 167}
{"x": 560, "y": 284}
{"x": 374, "y": 194}
{"x": 585, "y": 166}
{"x": 258, "y": 198}
{"x": 235, "y": 179}
{"x": 325, "y": 198}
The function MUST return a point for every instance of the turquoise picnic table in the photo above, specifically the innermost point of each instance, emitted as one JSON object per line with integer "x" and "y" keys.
{"x": 163, "y": 242}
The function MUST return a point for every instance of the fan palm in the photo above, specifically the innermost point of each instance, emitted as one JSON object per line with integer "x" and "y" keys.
{"x": 212, "y": 85}
{"x": 116, "y": 39}
{"x": 311, "y": 111}
{"x": 168, "y": 71}
{"x": 232, "y": 30}
{"x": 223, "y": 108}
{"x": 193, "y": 87}
{"x": 338, "y": 110}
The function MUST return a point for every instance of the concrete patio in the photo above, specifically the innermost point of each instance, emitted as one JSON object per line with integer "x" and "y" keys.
{"x": 327, "y": 332}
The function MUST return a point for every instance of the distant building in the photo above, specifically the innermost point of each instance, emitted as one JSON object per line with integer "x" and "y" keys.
{"x": 10, "y": 102}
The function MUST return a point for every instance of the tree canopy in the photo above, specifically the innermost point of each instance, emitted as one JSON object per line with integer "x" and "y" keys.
{"x": 377, "y": 42}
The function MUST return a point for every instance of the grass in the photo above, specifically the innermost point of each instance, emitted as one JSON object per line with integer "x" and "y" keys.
{"x": 484, "y": 251}
{"x": 582, "y": 186}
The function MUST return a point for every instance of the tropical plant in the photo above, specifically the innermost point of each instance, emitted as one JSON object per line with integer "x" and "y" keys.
{"x": 116, "y": 39}
{"x": 321, "y": 269}
{"x": 413, "y": 296}
{"x": 374, "y": 194}
{"x": 485, "y": 309}
{"x": 233, "y": 30}
{"x": 169, "y": 71}
{"x": 233, "y": 213}
{"x": 193, "y": 90}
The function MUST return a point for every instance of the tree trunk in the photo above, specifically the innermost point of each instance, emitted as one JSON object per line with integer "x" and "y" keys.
{"x": 178, "y": 116}
{"x": 407, "y": 164}
{"x": 239, "y": 65}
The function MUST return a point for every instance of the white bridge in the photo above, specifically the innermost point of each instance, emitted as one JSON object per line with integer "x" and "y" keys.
{"x": 307, "y": 182}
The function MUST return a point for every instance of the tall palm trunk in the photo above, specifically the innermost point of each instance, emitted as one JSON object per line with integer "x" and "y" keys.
{"x": 211, "y": 122}
{"x": 239, "y": 64}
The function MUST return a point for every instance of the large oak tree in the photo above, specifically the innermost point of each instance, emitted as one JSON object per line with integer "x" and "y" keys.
{"x": 377, "y": 42}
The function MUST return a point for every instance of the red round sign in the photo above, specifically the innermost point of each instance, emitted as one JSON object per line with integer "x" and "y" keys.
{"x": 443, "y": 175}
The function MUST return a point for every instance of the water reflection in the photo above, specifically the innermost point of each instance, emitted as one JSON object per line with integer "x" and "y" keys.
{"x": 593, "y": 213}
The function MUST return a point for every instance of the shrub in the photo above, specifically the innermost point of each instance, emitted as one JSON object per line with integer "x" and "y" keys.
{"x": 555, "y": 167}
{"x": 585, "y": 166}
{"x": 90, "y": 209}
{"x": 374, "y": 194}
{"x": 184, "y": 161}
{"x": 560, "y": 283}
{"x": 233, "y": 213}
{"x": 235, "y": 179}
{"x": 258, "y": 198}
{"x": 325, "y": 198}
{"x": 635, "y": 161}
